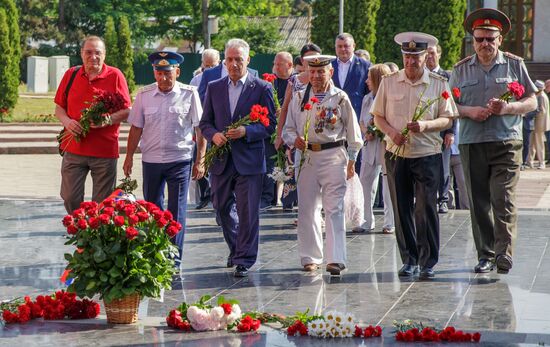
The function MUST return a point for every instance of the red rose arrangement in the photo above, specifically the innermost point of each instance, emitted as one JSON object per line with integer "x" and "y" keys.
{"x": 58, "y": 306}
{"x": 258, "y": 113}
{"x": 515, "y": 89}
{"x": 122, "y": 247}
{"x": 98, "y": 113}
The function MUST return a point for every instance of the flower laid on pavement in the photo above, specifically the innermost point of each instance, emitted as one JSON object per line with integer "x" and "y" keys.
{"x": 202, "y": 316}
{"x": 59, "y": 305}
{"x": 410, "y": 331}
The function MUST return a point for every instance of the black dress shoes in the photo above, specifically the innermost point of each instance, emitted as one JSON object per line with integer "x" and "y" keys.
{"x": 202, "y": 205}
{"x": 408, "y": 270}
{"x": 426, "y": 273}
{"x": 484, "y": 266}
{"x": 335, "y": 269}
{"x": 504, "y": 263}
{"x": 240, "y": 271}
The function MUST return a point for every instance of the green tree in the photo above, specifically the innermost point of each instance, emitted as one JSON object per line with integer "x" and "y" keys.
{"x": 262, "y": 35}
{"x": 126, "y": 53}
{"x": 359, "y": 20}
{"x": 443, "y": 19}
{"x": 5, "y": 57}
{"x": 111, "y": 43}
{"x": 9, "y": 89}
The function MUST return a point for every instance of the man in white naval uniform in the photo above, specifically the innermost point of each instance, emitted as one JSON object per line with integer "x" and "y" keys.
{"x": 333, "y": 142}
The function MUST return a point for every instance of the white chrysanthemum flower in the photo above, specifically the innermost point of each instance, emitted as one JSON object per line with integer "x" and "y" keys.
{"x": 329, "y": 316}
{"x": 338, "y": 319}
{"x": 278, "y": 175}
{"x": 348, "y": 330}
{"x": 349, "y": 318}
{"x": 316, "y": 327}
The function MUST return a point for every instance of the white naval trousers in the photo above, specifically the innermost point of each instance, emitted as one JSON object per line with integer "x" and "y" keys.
{"x": 322, "y": 183}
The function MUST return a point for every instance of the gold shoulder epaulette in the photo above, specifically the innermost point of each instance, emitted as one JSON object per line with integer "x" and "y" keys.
{"x": 437, "y": 76}
{"x": 147, "y": 88}
{"x": 512, "y": 56}
{"x": 467, "y": 59}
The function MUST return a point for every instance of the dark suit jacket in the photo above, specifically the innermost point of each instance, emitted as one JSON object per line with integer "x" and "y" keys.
{"x": 213, "y": 74}
{"x": 248, "y": 153}
{"x": 355, "y": 85}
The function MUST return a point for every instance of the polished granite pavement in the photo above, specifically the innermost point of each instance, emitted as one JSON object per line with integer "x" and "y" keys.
{"x": 507, "y": 309}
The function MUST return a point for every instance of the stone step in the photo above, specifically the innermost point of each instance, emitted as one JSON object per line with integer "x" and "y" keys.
{"x": 40, "y": 138}
{"x": 49, "y": 147}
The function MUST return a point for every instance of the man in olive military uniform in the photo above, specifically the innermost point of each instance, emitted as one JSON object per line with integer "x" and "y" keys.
{"x": 491, "y": 137}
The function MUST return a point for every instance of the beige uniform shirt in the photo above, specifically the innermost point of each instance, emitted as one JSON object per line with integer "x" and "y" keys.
{"x": 396, "y": 101}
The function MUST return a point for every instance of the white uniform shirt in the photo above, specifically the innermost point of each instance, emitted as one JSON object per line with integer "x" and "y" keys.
{"x": 331, "y": 120}
{"x": 168, "y": 121}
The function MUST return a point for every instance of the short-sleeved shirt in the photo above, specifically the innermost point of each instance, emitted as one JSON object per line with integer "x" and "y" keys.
{"x": 168, "y": 121}
{"x": 100, "y": 142}
{"x": 396, "y": 101}
{"x": 478, "y": 86}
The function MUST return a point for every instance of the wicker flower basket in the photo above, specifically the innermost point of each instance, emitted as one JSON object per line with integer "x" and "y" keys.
{"x": 123, "y": 311}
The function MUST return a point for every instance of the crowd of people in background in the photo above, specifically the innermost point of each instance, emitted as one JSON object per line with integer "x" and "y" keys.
{"x": 340, "y": 116}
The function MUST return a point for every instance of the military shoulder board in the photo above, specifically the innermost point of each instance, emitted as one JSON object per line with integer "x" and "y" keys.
{"x": 512, "y": 56}
{"x": 147, "y": 88}
{"x": 437, "y": 76}
{"x": 464, "y": 61}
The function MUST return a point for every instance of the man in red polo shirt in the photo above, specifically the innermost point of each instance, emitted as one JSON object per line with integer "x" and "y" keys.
{"x": 97, "y": 152}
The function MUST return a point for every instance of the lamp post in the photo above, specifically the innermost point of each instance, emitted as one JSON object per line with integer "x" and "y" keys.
{"x": 341, "y": 18}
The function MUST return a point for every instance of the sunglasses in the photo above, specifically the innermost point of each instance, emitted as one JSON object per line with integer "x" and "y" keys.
{"x": 488, "y": 39}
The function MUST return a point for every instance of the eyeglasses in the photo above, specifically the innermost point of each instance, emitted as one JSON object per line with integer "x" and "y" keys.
{"x": 488, "y": 39}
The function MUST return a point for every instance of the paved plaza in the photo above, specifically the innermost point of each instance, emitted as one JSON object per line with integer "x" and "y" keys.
{"x": 507, "y": 309}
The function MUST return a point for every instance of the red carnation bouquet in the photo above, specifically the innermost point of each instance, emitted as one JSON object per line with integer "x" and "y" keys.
{"x": 515, "y": 89}
{"x": 57, "y": 306}
{"x": 270, "y": 78}
{"x": 99, "y": 113}
{"x": 258, "y": 113}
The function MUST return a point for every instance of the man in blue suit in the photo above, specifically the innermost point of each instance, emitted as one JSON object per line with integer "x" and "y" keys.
{"x": 350, "y": 75}
{"x": 238, "y": 175}
{"x": 216, "y": 73}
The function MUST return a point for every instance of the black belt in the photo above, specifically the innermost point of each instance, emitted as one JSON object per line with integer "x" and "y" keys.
{"x": 317, "y": 147}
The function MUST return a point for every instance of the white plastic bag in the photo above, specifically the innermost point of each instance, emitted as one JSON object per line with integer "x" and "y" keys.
{"x": 353, "y": 202}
